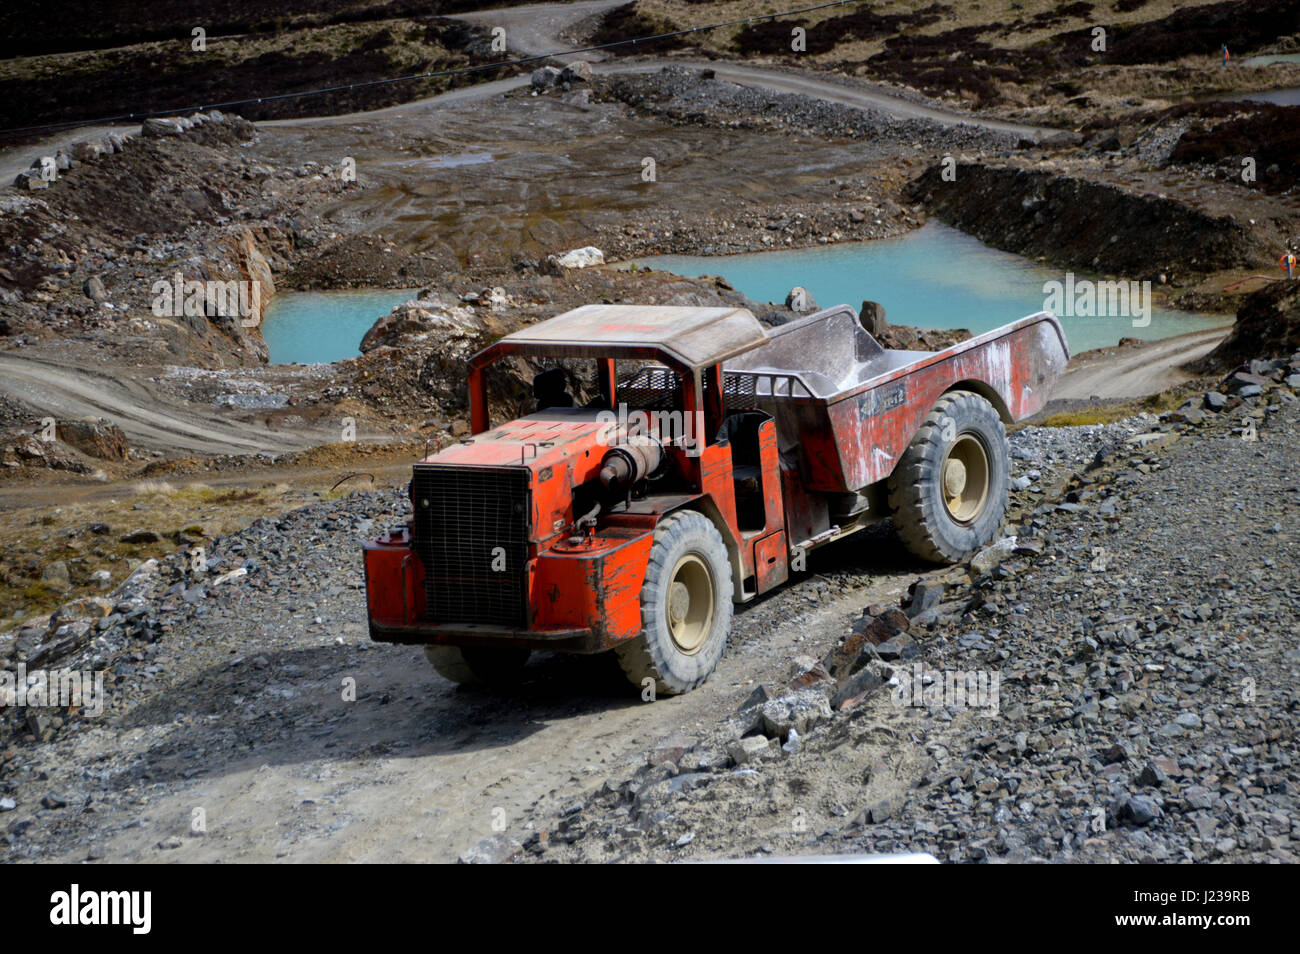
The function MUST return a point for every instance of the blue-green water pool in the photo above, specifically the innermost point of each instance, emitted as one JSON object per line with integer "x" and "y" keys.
{"x": 933, "y": 277}
{"x": 323, "y": 326}
{"x": 1268, "y": 59}
{"x": 1287, "y": 96}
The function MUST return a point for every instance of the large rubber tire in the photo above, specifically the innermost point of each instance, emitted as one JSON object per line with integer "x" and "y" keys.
{"x": 476, "y": 666}
{"x": 685, "y": 607}
{"x": 946, "y": 511}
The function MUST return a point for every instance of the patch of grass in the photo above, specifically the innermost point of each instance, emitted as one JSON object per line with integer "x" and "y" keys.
{"x": 37, "y": 593}
{"x": 1164, "y": 401}
{"x": 148, "y": 487}
{"x": 234, "y": 496}
{"x": 26, "y": 600}
{"x": 1101, "y": 415}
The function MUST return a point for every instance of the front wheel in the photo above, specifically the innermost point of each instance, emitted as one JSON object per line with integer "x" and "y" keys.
{"x": 949, "y": 491}
{"x": 685, "y": 607}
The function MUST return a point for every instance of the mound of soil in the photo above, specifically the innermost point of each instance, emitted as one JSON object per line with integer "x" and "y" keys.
{"x": 153, "y": 78}
{"x": 1266, "y": 133}
{"x": 365, "y": 261}
{"x": 1268, "y": 326}
{"x": 88, "y": 251}
{"x": 1071, "y": 220}
{"x": 149, "y": 187}
{"x": 627, "y": 22}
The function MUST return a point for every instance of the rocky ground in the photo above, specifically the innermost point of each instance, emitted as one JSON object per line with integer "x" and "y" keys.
{"x": 1141, "y": 631}
{"x": 1142, "y": 714}
{"x": 109, "y": 63}
{"x": 154, "y": 469}
{"x": 1036, "y": 61}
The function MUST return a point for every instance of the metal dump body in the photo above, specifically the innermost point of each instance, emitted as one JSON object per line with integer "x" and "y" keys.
{"x": 847, "y": 408}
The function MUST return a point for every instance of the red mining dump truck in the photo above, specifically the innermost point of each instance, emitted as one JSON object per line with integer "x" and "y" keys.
{"x": 715, "y": 453}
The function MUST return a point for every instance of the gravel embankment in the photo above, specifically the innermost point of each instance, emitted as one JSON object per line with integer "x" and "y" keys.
{"x": 1142, "y": 631}
{"x": 682, "y": 95}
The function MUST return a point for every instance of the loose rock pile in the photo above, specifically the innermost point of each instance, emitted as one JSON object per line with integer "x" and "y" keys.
{"x": 212, "y": 126}
{"x": 1138, "y": 635}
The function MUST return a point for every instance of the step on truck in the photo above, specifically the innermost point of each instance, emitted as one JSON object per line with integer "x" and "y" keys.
{"x": 714, "y": 453}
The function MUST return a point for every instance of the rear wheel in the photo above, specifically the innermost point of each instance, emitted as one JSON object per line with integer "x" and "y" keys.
{"x": 949, "y": 490}
{"x": 685, "y": 607}
{"x": 479, "y": 666}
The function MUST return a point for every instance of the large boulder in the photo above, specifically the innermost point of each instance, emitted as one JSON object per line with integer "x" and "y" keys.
{"x": 425, "y": 321}
{"x": 160, "y": 128}
{"x": 579, "y": 71}
{"x": 88, "y": 150}
{"x": 94, "y": 438}
{"x": 545, "y": 77}
{"x": 93, "y": 288}
{"x": 31, "y": 180}
{"x": 872, "y": 317}
{"x": 801, "y": 300}
{"x": 584, "y": 257}
{"x": 55, "y": 576}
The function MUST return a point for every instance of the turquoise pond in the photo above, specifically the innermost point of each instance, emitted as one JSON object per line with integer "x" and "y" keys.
{"x": 315, "y": 327}
{"x": 1287, "y": 96}
{"x": 1268, "y": 59}
{"x": 933, "y": 277}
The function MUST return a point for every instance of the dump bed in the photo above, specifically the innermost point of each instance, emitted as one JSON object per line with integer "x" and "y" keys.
{"x": 848, "y": 407}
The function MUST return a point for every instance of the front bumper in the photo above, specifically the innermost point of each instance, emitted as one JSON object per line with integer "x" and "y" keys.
{"x": 579, "y": 640}
{"x": 582, "y": 598}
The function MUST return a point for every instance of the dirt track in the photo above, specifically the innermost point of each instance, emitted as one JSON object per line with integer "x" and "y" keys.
{"x": 1147, "y": 369}
{"x": 148, "y": 419}
{"x": 540, "y": 29}
{"x": 536, "y": 30}
{"x": 744, "y": 75}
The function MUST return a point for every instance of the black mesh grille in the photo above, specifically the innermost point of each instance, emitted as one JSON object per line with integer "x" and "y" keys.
{"x": 471, "y": 533}
{"x": 650, "y": 388}
{"x": 738, "y": 391}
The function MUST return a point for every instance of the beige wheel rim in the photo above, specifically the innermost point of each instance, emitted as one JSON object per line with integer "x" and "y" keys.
{"x": 690, "y": 603}
{"x": 964, "y": 476}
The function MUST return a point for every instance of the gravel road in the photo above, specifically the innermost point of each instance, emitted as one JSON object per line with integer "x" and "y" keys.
{"x": 229, "y": 697}
{"x": 1148, "y": 368}
{"x": 148, "y": 415}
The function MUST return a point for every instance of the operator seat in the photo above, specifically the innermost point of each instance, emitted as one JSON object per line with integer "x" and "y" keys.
{"x": 740, "y": 430}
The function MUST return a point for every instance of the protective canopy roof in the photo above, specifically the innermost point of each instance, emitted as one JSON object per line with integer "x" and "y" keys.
{"x": 696, "y": 337}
